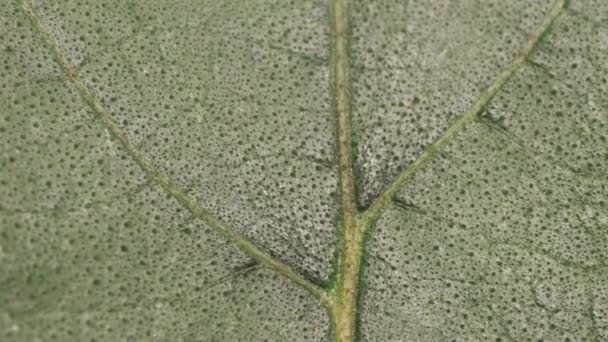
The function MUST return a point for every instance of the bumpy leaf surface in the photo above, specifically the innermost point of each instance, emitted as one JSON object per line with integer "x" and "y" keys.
{"x": 170, "y": 170}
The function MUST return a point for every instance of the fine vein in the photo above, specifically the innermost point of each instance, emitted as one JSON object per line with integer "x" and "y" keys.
{"x": 154, "y": 173}
{"x": 386, "y": 196}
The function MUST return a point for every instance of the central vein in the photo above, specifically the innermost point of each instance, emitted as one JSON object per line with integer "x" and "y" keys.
{"x": 344, "y": 311}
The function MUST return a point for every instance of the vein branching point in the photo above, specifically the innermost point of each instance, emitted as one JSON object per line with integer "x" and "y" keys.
{"x": 386, "y": 196}
{"x": 355, "y": 226}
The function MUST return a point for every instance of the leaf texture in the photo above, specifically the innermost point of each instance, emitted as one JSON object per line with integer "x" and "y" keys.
{"x": 303, "y": 171}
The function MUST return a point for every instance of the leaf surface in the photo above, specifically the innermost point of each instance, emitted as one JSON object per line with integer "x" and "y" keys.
{"x": 184, "y": 171}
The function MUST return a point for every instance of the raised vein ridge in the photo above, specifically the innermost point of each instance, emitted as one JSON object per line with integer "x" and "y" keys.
{"x": 386, "y": 196}
{"x": 156, "y": 175}
{"x": 346, "y": 288}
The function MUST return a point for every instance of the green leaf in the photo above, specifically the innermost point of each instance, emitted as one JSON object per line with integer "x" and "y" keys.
{"x": 304, "y": 171}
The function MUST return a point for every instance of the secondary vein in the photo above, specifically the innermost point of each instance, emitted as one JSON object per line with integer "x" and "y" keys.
{"x": 156, "y": 175}
{"x": 386, "y": 196}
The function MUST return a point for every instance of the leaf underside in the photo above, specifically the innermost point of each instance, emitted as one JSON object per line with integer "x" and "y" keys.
{"x": 172, "y": 171}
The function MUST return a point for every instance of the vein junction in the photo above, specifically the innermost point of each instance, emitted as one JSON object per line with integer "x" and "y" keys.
{"x": 355, "y": 225}
{"x": 386, "y": 196}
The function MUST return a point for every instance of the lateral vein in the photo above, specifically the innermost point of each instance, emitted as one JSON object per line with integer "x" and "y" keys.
{"x": 156, "y": 175}
{"x": 386, "y": 196}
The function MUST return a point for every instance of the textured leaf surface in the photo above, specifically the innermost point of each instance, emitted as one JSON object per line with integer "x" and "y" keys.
{"x": 170, "y": 171}
{"x": 504, "y": 234}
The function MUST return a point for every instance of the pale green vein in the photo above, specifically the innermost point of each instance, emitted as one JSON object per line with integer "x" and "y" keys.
{"x": 386, "y": 196}
{"x": 346, "y": 289}
{"x": 154, "y": 173}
